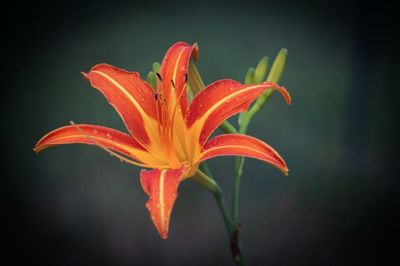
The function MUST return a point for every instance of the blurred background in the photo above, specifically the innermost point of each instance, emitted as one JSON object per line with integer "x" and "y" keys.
{"x": 75, "y": 205}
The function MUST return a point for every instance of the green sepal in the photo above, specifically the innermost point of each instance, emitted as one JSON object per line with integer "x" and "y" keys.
{"x": 194, "y": 79}
{"x": 189, "y": 92}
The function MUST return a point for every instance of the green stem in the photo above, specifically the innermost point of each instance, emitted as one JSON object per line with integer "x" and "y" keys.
{"x": 240, "y": 160}
{"x": 274, "y": 75}
{"x": 236, "y": 189}
{"x": 253, "y": 110}
{"x": 228, "y": 128}
{"x": 212, "y": 186}
{"x": 205, "y": 169}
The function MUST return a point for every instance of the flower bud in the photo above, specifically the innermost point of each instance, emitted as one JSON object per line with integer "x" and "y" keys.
{"x": 278, "y": 66}
{"x": 249, "y": 78}
{"x": 152, "y": 80}
{"x": 260, "y": 72}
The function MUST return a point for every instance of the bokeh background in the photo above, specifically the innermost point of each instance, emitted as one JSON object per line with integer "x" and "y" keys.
{"x": 75, "y": 205}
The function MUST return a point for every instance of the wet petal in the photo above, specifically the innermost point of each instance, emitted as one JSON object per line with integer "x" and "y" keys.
{"x": 162, "y": 188}
{"x": 242, "y": 145}
{"x": 222, "y": 99}
{"x": 110, "y": 138}
{"x": 131, "y": 96}
{"x": 174, "y": 70}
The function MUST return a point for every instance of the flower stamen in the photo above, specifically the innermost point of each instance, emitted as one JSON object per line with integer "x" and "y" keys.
{"x": 183, "y": 146}
{"x": 165, "y": 124}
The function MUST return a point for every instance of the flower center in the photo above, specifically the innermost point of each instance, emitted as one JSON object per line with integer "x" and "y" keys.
{"x": 171, "y": 127}
{"x": 188, "y": 170}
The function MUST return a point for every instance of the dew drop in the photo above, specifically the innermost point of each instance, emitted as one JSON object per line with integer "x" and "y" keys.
{"x": 95, "y": 131}
{"x": 158, "y": 206}
{"x": 108, "y": 135}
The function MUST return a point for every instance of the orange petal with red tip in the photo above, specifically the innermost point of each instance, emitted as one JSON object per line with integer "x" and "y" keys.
{"x": 174, "y": 69}
{"x": 222, "y": 99}
{"x": 110, "y": 138}
{"x": 129, "y": 94}
{"x": 242, "y": 145}
{"x": 162, "y": 188}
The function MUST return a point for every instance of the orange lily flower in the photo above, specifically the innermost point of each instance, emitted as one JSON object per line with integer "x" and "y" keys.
{"x": 167, "y": 133}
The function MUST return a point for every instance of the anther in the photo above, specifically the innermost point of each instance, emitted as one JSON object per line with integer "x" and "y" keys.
{"x": 173, "y": 84}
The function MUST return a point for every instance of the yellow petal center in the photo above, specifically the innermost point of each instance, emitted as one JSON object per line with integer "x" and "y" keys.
{"x": 171, "y": 142}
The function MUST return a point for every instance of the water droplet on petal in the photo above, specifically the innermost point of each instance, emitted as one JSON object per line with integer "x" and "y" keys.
{"x": 95, "y": 131}
{"x": 158, "y": 206}
{"x": 108, "y": 135}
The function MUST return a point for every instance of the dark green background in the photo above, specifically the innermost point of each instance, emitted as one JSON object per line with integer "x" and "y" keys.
{"x": 75, "y": 205}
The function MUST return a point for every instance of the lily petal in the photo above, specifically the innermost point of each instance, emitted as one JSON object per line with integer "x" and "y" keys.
{"x": 222, "y": 99}
{"x": 90, "y": 134}
{"x": 129, "y": 94}
{"x": 162, "y": 188}
{"x": 242, "y": 145}
{"x": 173, "y": 72}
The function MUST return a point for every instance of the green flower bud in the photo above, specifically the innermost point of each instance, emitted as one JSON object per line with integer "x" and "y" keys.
{"x": 278, "y": 66}
{"x": 152, "y": 80}
{"x": 260, "y": 72}
{"x": 156, "y": 67}
{"x": 249, "y": 78}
